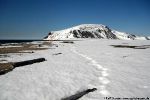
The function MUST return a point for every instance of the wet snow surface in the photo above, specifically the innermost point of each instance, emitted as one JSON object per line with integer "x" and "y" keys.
{"x": 91, "y": 63}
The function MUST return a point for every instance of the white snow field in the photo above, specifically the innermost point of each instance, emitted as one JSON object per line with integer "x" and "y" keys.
{"x": 89, "y": 63}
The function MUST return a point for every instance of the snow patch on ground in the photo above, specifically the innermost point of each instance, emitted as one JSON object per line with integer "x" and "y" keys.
{"x": 103, "y": 78}
{"x": 91, "y": 63}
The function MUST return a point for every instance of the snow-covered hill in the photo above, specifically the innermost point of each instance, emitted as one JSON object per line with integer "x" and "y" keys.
{"x": 91, "y": 31}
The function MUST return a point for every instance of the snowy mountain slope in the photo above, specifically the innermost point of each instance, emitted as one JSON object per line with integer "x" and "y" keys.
{"x": 91, "y": 31}
{"x": 127, "y": 36}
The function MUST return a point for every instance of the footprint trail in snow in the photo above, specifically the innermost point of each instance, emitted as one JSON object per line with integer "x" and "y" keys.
{"x": 102, "y": 79}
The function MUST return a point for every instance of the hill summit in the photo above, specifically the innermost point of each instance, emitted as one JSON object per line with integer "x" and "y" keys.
{"x": 92, "y": 31}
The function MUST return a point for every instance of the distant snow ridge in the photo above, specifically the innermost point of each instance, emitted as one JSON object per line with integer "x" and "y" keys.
{"x": 91, "y": 31}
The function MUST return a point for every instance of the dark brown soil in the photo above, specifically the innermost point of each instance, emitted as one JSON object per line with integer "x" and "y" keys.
{"x": 24, "y": 47}
{"x": 78, "y": 95}
{"x": 129, "y": 46}
{"x": 67, "y": 42}
{"x": 5, "y": 67}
